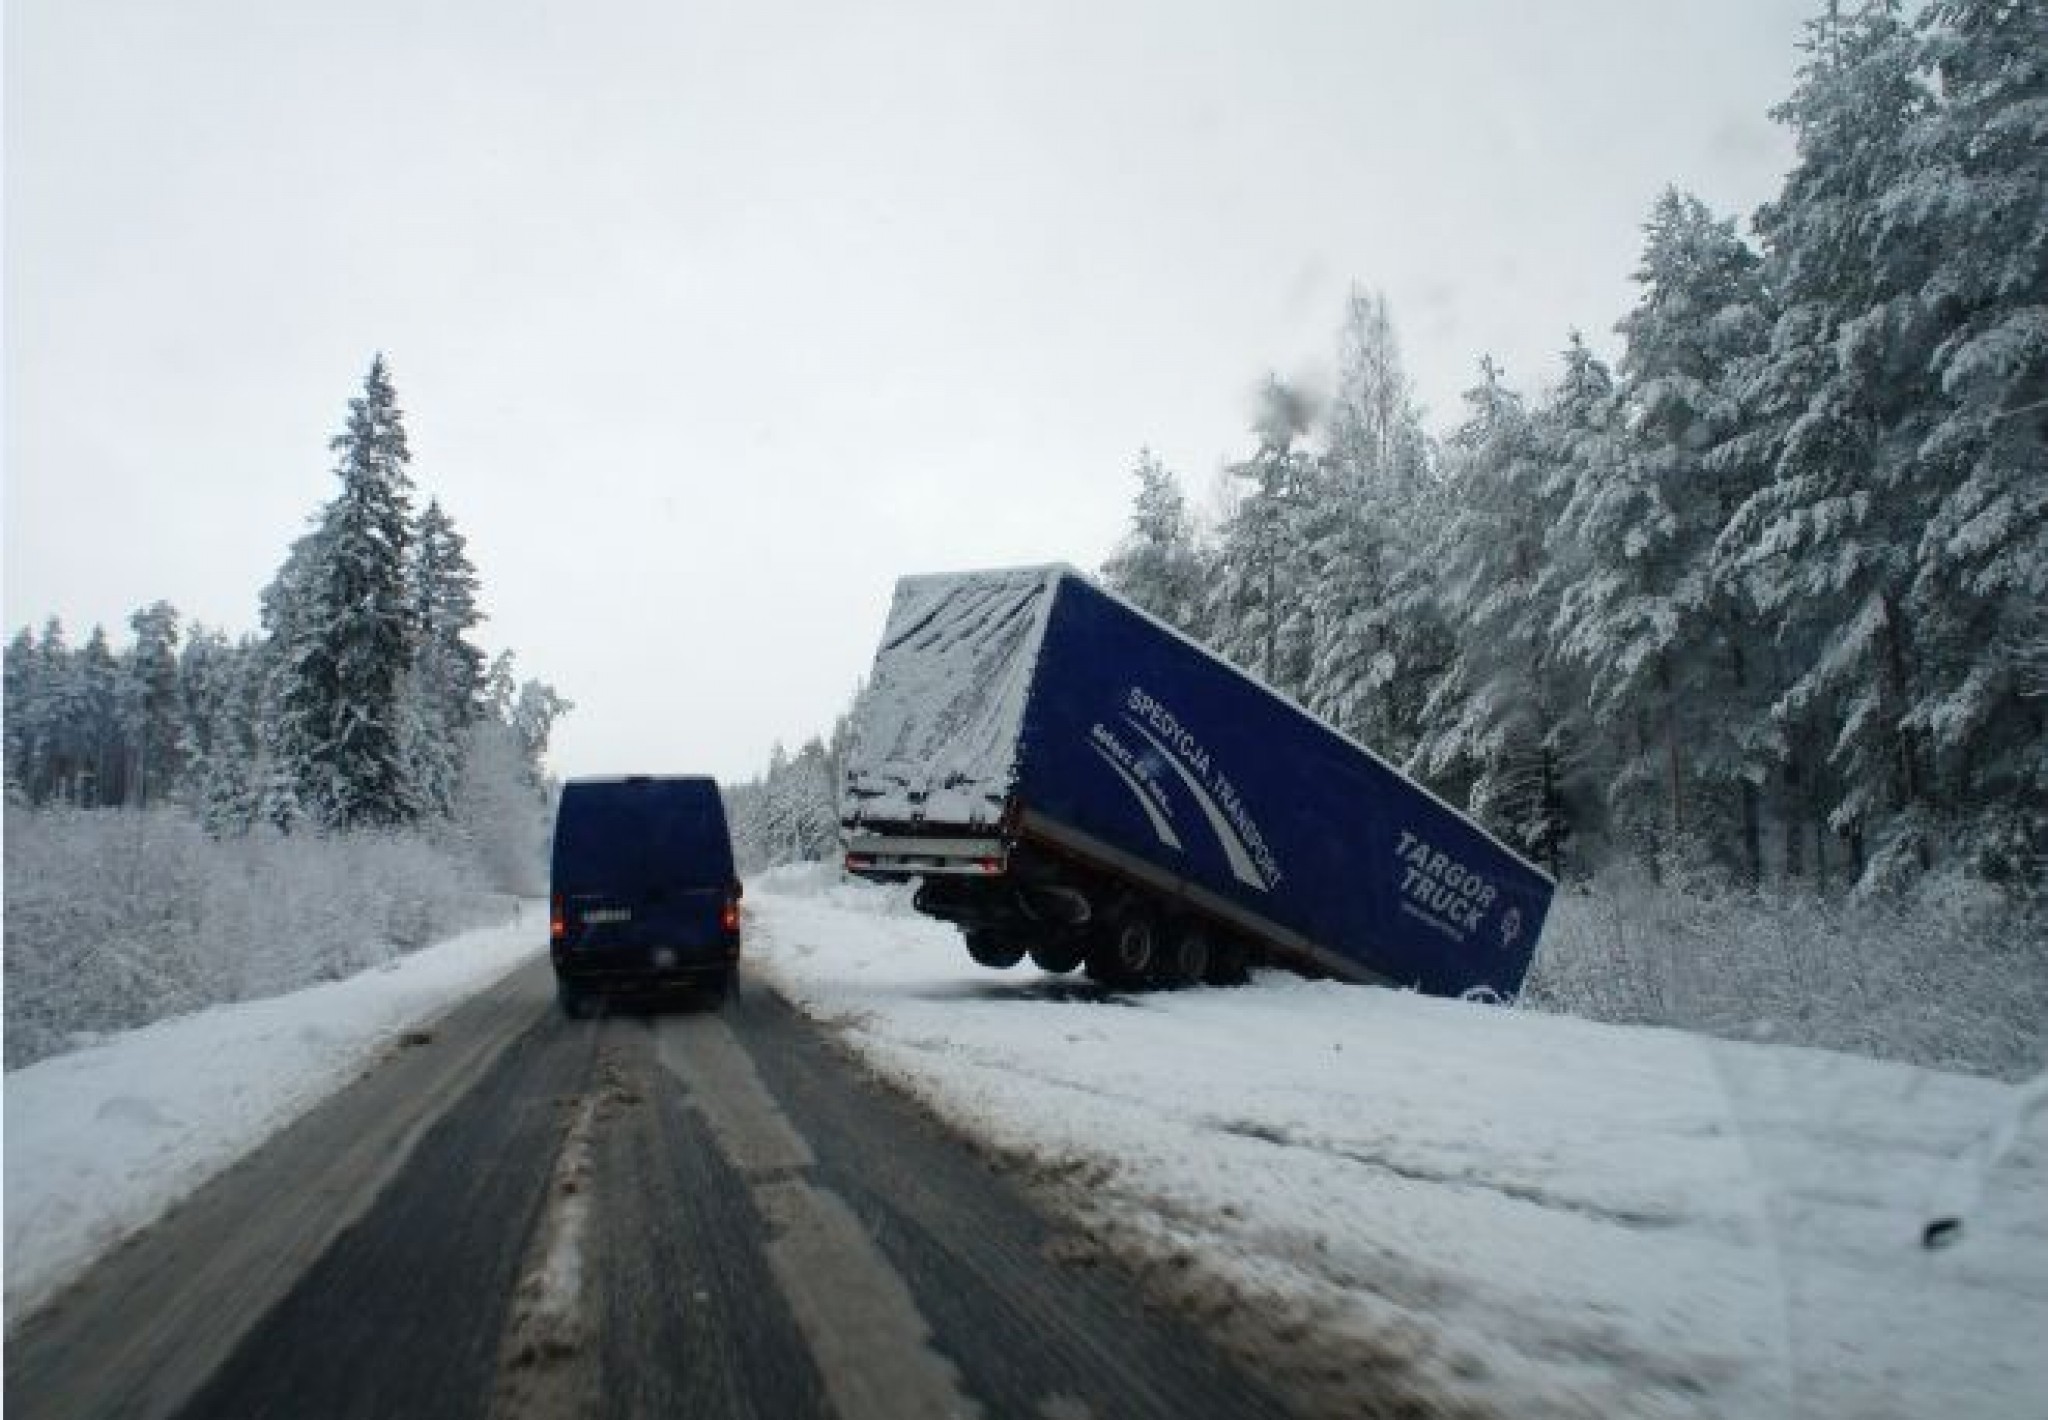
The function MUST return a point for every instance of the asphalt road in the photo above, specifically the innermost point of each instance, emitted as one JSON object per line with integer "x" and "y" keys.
{"x": 693, "y": 1213}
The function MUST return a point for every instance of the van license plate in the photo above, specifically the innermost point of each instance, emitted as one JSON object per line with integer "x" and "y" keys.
{"x": 603, "y": 915}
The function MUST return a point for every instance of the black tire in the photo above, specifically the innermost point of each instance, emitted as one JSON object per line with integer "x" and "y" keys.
{"x": 1184, "y": 959}
{"x": 1124, "y": 953}
{"x": 991, "y": 951}
{"x": 1059, "y": 958}
{"x": 1229, "y": 963}
{"x": 575, "y": 1004}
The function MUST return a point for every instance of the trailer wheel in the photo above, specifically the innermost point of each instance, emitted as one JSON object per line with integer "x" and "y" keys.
{"x": 1185, "y": 962}
{"x": 989, "y": 949}
{"x": 1124, "y": 953}
{"x": 1229, "y": 964}
{"x": 1058, "y": 958}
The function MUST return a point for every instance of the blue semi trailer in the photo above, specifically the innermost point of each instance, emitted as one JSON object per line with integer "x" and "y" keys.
{"x": 1071, "y": 779}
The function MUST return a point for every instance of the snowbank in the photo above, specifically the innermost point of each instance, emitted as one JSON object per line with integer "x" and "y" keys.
{"x": 102, "y": 1141}
{"x": 1950, "y": 975}
{"x": 1529, "y": 1215}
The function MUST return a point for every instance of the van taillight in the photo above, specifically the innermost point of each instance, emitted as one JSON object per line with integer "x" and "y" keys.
{"x": 558, "y": 926}
{"x": 729, "y": 919}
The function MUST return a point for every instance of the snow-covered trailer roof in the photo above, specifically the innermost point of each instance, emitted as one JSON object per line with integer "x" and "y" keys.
{"x": 936, "y": 731}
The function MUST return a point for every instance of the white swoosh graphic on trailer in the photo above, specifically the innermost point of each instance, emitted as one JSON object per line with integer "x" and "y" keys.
{"x": 1159, "y": 824}
{"x": 1241, "y": 865}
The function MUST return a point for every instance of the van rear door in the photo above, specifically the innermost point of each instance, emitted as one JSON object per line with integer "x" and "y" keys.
{"x": 642, "y": 863}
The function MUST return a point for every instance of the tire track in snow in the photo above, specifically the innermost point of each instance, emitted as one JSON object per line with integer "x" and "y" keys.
{"x": 545, "y": 1367}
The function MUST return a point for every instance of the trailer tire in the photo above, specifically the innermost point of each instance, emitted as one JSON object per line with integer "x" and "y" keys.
{"x": 1185, "y": 960}
{"x": 990, "y": 950}
{"x": 1229, "y": 963}
{"x": 1057, "y": 958}
{"x": 1125, "y": 952}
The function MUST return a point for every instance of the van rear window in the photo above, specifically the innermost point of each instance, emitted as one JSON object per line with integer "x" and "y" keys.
{"x": 636, "y": 835}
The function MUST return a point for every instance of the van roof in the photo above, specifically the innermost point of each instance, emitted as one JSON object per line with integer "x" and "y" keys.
{"x": 640, "y": 779}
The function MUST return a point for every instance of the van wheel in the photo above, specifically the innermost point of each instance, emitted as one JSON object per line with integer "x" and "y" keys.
{"x": 575, "y": 1004}
{"x": 992, "y": 951}
{"x": 723, "y": 989}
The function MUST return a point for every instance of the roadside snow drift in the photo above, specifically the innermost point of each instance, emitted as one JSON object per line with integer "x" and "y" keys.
{"x": 1468, "y": 1208}
{"x": 102, "y": 1141}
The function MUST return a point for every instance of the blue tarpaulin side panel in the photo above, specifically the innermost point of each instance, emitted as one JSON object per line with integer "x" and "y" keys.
{"x": 1113, "y": 730}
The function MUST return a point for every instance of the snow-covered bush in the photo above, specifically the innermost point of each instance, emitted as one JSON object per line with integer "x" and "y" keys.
{"x": 1952, "y": 974}
{"x": 500, "y": 819}
{"x": 118, "y": 918}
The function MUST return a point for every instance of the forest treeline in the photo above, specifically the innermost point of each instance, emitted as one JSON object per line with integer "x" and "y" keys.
{"x": 363, "y": 703}
{"x": 1766, "y": 596}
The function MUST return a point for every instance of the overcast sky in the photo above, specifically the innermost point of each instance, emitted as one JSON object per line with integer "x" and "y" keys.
{"x": 709, "y": 320}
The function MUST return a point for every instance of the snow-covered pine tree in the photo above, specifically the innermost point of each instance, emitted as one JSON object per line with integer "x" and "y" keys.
{"x": 17, "y": 697}
{"x": 1587, "y": 575}
{"x": 1966, "y": 224}
{"x": 63, "y": 753}
{"x": 1499, "y": 724}
{"x": 444, "y": 689}
{"x": 348, "y": 615}
{"x": 533, "y": 714}
{"x": 803, "y": 807}
{"x": 1255, "y": 610}
{"x": 98, "y": 726}
{"x": 39, "y": 681}
{"x": 1675, "y": 668}
{"x": 1826, "y": 547}
{"x": 1158, "y": 564}
{"x": 151, "y": 712}
{"x": 221, "y": 688}
{"x": 282, "y": 762}
{"x": 1375, "y": 645}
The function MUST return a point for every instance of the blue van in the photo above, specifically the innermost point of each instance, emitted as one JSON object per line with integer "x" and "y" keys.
{"x": 642, "y": 897}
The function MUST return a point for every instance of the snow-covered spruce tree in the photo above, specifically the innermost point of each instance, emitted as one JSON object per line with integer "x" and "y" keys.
{"x": 1965, "y": 226}
{"x": 342, "y": 672}
{"x": 1375, "y": 645}
{"x": 1500, "y": 727}
{"x": 1256, "y": 610}
{"x": 1158, "y": 565}
{"x": 1675, "y": 669}
{"x": 287, "y": 609}
{"x": 444, "y": 689}
{"x": 1826, "y": 547}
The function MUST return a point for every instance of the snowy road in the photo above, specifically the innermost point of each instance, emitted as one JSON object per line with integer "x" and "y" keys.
{"x": 1374, "y": 1203}
{"x": 690, "y": 1213}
